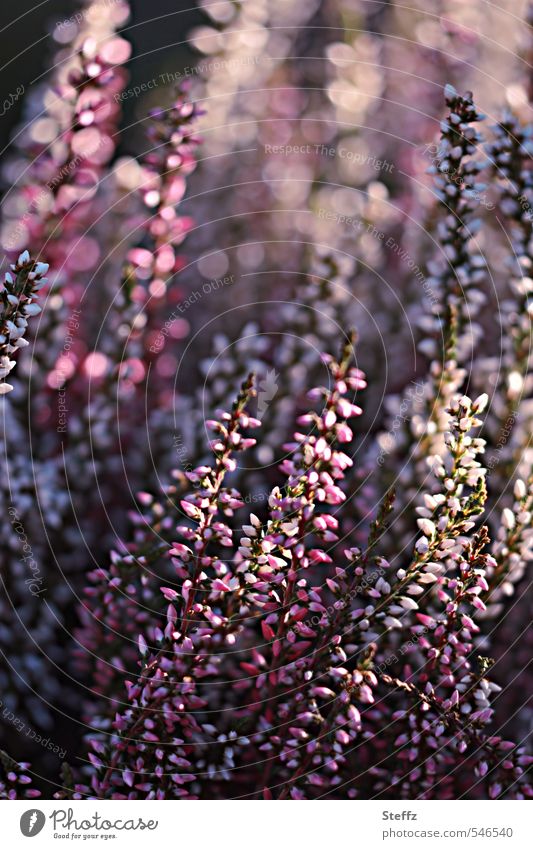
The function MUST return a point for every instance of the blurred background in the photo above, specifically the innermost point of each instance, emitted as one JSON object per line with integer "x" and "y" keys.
{"x": 157, "y": 31}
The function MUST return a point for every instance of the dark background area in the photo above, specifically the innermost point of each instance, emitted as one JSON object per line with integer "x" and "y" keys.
{"x": 157, "y": 29}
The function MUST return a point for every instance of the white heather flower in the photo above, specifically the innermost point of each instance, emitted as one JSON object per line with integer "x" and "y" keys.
{"x": 481, "y": 402}
{"x": 382, "y": 586}
{"x": 32, "y": 309}
{"x": 434, "y": 568}
{"x": 426, "y": 578}
{"x": 422, "y": 546}
{"x": 408, "y": 603}
{"x": 508, "y": 519}
{"x": 426, "y": 526}
{"x": 520, "y": 489}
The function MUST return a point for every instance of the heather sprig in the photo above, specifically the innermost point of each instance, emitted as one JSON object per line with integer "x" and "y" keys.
{"x": 446, "y": 518}
{"x": 182, "y": 650}
{"x": 457, "y": 271}
{"x": 202, "y": 506}
{"x": 19, "y": 302}
{"x": 510, "y": 153}
{"x": 314, "y": 468}
{"x": 164, "y": 170}
{"x": 14, "y": 779}
{"x": 454, "y": 290}
{"x": 512, "y": 549}
{"x": 499, "y": 766}
{"x": 303, "y": 656}
{"x": 457, "y": 172}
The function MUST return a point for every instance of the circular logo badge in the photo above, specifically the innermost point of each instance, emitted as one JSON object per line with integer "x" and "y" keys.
{"x": 32, "y": 822}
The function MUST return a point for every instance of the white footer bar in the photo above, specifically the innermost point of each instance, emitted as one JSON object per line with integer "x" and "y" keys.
{"x": 255, "y": 825}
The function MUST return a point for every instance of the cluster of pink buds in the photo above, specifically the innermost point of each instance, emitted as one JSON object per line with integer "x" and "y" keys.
{"x": 295, "y": 677}
{"x": 177, "y": 654}
{"x": 65, "y": 150}
{"x": 165, "y": 168}
{"x": 15, "y": 783}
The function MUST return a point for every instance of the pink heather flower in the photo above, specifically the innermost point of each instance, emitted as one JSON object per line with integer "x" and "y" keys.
{"x": 62, "y": 177}
{"x": 428, "y": 621}
{"x": 316, "y": 556}
{"x": 165, "y": 168}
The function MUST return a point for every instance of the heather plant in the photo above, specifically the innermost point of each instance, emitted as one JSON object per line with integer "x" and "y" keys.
{"x": 247, "y": 555}
{"x": 19, "y": 297}
{"x": 311, "y": 653}
{"x": 69, "y": 481}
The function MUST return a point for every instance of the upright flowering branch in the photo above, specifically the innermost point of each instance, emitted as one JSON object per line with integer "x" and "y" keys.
{"x": 459, "y": 268}
{"x": 164, "y": 699}
{"x": 19, "y": 302}
{"x": 511, "y": 154}
{"x": 512, "y": 549}
{"x": 154, "y": 261}
{"x": 301, "y": 658}
{"x": 458, "y": 190}
{"x": 111, "y": 377}
{"x": 202, "y": 507}
{"x": 165, "y": 169}
{"x": 133, "y": 330}
{"x": 304, "y": 641}
{"x": 301, "y": 713}
{"x": 453, "y": 748}
{"x": 446, "y": 517}
{"x": 443, "y": 590}
{"x": 64, "y": 150}
{"x": 319, "y": 649}
{"x": 314, "y": 468}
